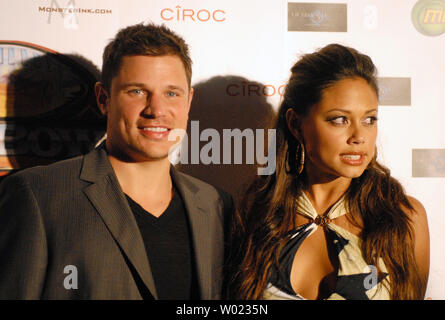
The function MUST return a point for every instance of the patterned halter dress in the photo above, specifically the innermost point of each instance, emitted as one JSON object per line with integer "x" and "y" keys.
{"x": 355, "y": 280}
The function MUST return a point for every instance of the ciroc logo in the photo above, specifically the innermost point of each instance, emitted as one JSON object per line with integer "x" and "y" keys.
{"x": 201, "y": 15}
{"x": 428, "y": 17}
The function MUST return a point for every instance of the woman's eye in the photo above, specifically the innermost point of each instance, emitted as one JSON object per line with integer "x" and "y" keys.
{"x": 338, "y": 120}
{"x": 370, "y": 120}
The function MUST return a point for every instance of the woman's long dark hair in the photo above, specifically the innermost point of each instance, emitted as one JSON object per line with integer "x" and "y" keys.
{"x": 376, "y": 201}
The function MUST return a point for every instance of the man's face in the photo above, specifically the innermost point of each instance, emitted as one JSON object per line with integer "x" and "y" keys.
{"x": 148, "y": 98}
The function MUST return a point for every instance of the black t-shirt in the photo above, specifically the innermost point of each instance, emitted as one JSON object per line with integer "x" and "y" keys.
{"x": 168, "y": 243}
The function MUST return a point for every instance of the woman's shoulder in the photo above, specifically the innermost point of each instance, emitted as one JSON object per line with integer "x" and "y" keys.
{"x": 417, "y": 215}
{"x": 418, "y": 212}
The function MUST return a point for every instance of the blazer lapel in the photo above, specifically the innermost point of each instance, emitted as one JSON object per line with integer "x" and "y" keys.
{"x": 108, "y": 199}
{"x": 200, "y": 222}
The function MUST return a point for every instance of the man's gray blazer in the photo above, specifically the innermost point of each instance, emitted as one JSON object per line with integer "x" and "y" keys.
{"x": 74, "y": 213}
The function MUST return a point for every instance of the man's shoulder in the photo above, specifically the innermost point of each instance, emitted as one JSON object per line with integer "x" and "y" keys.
{"x": 64, "y": 168}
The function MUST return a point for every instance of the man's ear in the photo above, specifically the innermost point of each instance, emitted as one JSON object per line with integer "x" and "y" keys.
{"x": 101, "y": 97}
{"x": 190, "y": 98}
{"x": 293, "y": 122}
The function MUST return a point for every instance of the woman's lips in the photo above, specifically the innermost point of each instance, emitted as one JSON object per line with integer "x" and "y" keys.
{"x": 353, "y": 159}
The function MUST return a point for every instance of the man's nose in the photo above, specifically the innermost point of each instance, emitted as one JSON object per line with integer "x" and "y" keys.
{"x": 154, "y": 107}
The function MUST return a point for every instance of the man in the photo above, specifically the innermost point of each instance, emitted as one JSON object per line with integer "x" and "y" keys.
{"x": 119, "y": 222}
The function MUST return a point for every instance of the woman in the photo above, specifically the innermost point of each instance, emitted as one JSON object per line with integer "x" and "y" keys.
{"x": 330, "y": 223}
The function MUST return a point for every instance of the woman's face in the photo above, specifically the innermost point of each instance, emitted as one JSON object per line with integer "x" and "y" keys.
{"x": 339, "y": 134}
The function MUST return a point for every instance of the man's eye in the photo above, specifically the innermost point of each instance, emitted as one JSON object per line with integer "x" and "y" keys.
{"x": 171, "y": 94}
{"x": 137, "y": 92}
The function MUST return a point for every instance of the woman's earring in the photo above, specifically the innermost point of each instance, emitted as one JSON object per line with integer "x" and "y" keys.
{"x": 295, "y": 159}
{"x": 301, "y": 162}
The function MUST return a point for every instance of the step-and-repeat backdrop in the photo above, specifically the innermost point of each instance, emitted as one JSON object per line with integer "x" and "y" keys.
{"x": 50, "y": 57}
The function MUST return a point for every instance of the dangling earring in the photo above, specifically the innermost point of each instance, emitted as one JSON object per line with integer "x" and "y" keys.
{"x": 287, "y": 163}
{"x": 301, "y": 162}
{"x": 295, "y": 158}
